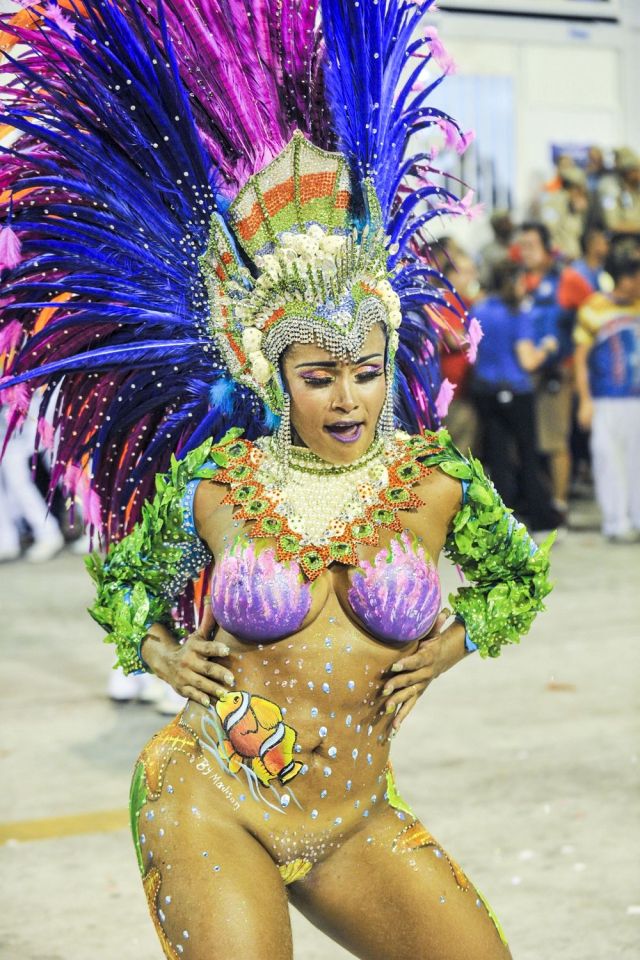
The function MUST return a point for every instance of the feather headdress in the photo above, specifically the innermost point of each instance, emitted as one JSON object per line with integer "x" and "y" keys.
{"x": 136, "y": 149}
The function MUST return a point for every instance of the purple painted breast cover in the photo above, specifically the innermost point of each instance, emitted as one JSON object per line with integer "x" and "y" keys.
{"x": 255, "y": 597}
{"x": 398, "y": 596}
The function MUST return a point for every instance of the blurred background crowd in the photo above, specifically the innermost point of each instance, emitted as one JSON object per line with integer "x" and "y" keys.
{"x": 552, "y": 403}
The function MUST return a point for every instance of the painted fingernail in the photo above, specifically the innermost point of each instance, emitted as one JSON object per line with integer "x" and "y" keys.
{"x": 390, "y": 708}
{"x": 229, "y": 678}
{"x": 224, "y": 650}
{"x": 387, "y": 690}
{"x": 396, "y": 667}
{"x": 206, "y": 702}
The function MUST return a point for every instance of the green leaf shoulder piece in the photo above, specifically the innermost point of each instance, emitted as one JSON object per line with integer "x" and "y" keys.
{"x": 507, "y": 571}
{"x": 141, "y": 576}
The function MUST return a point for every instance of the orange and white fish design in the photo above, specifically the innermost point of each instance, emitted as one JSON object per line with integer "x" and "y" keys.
{"x": 257, "y": 734}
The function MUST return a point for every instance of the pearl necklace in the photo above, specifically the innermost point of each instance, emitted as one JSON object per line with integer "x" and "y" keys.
{"x": 306, "y": 461}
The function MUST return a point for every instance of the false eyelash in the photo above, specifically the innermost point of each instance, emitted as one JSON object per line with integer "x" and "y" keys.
{"x": 325, "y": 381}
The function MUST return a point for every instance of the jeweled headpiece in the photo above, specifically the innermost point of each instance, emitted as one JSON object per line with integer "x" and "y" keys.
{"x": 187, "y": 189}
{"x": 316, "y": 277}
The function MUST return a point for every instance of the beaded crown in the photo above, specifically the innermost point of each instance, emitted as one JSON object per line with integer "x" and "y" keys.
{"x": 319, "y": 279}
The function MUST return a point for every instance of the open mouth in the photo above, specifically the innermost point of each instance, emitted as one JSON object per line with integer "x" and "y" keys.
{"x": 345, "y": 431}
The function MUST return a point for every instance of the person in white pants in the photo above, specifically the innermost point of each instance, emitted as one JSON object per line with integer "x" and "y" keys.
{"x": 145, "y": 688}
{"x": 607, "y": 363}
{"x": 20, "y": 499}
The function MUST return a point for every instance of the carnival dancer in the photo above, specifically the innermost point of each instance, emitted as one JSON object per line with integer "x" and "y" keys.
{"x": 213, "y": 238}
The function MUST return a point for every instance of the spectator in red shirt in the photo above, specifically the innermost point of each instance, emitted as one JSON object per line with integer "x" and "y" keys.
{"x": 461, "y": 419}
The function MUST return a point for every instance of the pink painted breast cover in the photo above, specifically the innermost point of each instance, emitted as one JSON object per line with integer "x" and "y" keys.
{"x": 258, "y": 599}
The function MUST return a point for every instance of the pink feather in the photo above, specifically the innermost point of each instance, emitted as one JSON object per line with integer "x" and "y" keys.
{"x": 439, "y": 53}
{"x": 453, "y": 138}
{"x": 465, "y": 141}
{"x": 16, "y": 401}
{"x": 444, "y": 398}
{"x": 470, "y": 209}
{"x": 10, "y": 337}
{"x": 54, "y": 12}
{"x": 91, "y": 508}
{"x": 474, "y": 336}
{"x": 46, "y": 434}
{"x": 10, "y": 248}
{"x": 76, "y": 483}
{"x": 72, "y": 478}
{"x": 464, "y": 207}
{"x": 450, "y": 131}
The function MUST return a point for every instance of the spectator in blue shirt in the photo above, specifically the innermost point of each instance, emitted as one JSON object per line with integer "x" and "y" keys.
{"x": 554, "y": 386}
{"x": 591, "y": 266}
{"x": 503, "y": 392}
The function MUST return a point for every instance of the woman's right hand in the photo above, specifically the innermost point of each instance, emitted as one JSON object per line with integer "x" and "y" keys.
{"x": 191, "y": 668}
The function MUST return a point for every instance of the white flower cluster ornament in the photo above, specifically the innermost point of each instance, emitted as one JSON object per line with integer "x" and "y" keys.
{"x": 315, "y": 248}
{"x": 261, "y": 369}
{"x": 391, "y": 301}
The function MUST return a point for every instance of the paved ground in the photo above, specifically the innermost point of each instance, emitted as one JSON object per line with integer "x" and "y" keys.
{"x": 526, "y": 768}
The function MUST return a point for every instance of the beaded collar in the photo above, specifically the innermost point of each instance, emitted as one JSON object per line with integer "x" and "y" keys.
{"x": 322, "y": 512}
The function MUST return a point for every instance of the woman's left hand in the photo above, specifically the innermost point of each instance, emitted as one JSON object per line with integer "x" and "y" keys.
{"x": 435, "y": 654}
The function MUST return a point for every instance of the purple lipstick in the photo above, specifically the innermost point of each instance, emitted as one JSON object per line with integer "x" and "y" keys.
{"x": 346, "y": 431}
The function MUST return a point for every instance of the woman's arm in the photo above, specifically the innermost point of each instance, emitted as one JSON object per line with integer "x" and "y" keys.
{"x": 508, "y": 576}
{"x": 141, "y": 578}
{"x": 410, "y": 676}
{"x": 532, "y": 357}
{"x": 583, "y": 389}
{"x": 190, "y": 667}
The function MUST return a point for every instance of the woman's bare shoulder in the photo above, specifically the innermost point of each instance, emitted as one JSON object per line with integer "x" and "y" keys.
{"x": 210, "y": 514}
{"x": 442, "y": 498}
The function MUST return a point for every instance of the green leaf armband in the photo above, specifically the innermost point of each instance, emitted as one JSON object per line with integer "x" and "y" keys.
{"x": 508, "y": 572}
{"x": 126, "y": 614}
{"x": 141, "y": 576}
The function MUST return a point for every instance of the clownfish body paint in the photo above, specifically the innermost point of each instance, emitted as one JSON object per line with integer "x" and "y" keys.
{"x": 257, "y": 735}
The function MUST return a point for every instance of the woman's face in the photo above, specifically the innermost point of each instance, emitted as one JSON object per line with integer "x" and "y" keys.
{"x": 335, "y": 405}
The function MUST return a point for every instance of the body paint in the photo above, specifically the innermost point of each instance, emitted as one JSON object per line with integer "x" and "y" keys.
{"x": 256, "y": 598}
{"x": 255, "y": 732}
{"x": 398, "y": 596}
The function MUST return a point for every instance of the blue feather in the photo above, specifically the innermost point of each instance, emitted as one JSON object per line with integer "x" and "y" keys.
{"x": 221, "y": 395}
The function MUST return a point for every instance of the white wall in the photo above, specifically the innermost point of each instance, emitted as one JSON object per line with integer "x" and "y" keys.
{"x": 575, "y": 82}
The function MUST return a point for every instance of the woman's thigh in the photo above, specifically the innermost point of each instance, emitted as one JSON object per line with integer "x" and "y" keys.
{"x": 212, "y": 889}
{"x": 391, "y": 892}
